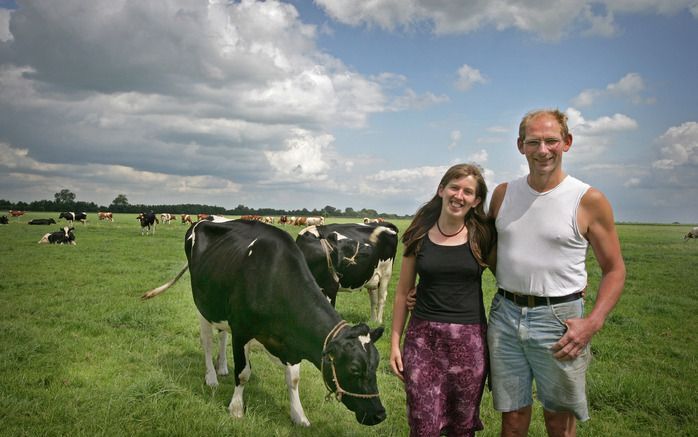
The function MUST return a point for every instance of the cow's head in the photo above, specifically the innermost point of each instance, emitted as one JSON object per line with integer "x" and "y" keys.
{"x": 349, "y": 364}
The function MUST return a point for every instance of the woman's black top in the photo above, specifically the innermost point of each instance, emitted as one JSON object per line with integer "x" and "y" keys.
{"x": 450, "y": 284}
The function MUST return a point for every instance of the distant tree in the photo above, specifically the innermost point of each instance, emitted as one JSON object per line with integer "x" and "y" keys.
{"x": 120, "y": 200}
{"x": 349, "y": 212}
{"x": 65, "y": 196}
{"x": 329, "y": 211}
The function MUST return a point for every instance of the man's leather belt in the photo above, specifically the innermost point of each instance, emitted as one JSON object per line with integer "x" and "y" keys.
{"x": 524, "y": 300}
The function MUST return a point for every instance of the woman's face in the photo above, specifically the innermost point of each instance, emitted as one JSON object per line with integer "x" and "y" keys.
{"x": 459, "y": 195}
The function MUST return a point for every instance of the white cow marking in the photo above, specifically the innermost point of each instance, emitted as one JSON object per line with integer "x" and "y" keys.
{"x": 364, "y": 340}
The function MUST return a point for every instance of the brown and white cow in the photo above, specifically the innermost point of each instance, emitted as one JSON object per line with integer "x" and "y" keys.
{"x": 186, "y": 218}
{"x": 166, "y": 217}
{"x": 105, "y": 216}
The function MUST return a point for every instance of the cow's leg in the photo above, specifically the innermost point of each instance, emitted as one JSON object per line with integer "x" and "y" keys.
{"x": 373, "y": 298}
{"x": 293, "y": 375}
{"x": 242, "y": 371}
{"x": 222, "y": 363}
{"x": 385, "y": 269}
{"x": 206, "y": 335}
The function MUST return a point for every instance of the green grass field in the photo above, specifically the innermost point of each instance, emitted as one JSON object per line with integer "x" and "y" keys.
{"x": 82, "y": 355}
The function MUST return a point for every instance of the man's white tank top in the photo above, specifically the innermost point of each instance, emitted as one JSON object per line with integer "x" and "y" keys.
{"x": 540, "y": 250}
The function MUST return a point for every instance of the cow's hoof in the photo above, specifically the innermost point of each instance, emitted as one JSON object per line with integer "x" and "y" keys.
{"x": 211, "y": 380}
{"x": 301, "y": 421}
{"x": 237, "y": 410}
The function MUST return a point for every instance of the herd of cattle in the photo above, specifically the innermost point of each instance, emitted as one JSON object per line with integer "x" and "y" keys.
{"x": 253, "y": 281}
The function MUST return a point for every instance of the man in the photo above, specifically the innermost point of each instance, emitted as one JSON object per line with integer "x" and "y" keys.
{"x": 537, "y": 328}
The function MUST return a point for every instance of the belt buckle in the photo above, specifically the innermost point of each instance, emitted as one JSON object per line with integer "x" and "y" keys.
{"x": 531, "y": 300}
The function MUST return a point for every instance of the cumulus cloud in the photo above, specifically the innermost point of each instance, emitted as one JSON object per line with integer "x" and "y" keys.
{"x": 468, "y": 77}
{"x": 215, "y": 92}
{"x": 593, "y": 137}
{"x": 631, "y": 87}
{"x": 679, "y": 147}
{"x": 304, "y": 157}
{"x": 5, "y": 34}
{"x": 547, "y": 19}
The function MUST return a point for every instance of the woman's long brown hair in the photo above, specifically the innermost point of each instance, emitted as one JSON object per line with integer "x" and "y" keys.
{"x": 481, "y": 233}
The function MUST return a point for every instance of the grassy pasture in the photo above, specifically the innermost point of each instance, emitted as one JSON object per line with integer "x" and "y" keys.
{"x": 81, "y": 355}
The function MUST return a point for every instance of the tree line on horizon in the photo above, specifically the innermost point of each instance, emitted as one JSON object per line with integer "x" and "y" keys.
{"x": 65, "y": 200}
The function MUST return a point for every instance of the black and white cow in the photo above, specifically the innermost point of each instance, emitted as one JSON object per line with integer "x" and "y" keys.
{"x": 64, "y": 236}
{"x": 253, "y": 278}
{"x": 351, "y": 256}
{"x": 48, "y": 221}
{"x": 148, "y": 221}
{"x": 73, "y": 216}
{"x": 4, "y": 220}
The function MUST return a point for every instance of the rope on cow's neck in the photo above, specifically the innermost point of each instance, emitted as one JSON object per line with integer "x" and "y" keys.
{"x": 339, "y": 391}
{"x": 352, "y": 260}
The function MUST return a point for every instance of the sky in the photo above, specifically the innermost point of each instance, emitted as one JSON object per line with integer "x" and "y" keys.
{"x": 352, "y": 104}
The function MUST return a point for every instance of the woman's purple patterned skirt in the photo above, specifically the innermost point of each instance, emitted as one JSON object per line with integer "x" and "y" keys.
{"x": 445, "y": 366}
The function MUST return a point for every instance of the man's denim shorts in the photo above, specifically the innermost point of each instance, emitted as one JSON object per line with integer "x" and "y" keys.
{"x": 520, "y": 341}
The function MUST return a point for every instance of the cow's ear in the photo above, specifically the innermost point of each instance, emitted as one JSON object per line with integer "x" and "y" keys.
{"x": 360, "y": 329}
{"x": 376, "y": 333}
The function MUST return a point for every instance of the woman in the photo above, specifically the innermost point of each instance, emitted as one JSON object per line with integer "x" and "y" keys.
{"x": 444, "y": 361}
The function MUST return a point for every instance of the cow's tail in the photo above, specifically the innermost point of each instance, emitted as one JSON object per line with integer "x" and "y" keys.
{"x": 161, "y": 289}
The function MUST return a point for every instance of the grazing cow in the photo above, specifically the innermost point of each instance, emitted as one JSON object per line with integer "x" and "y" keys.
{"x": 300, "y": 221}
{"x": 105, "y": 216}
{"x": 14, "y": 213}
{"x": 64, "y": 236}
{"x": 186, "y": 218}
{"x": 148, "y": 221}
{"x": 251, "y": 277}
{"x": 48, "y": 221}
{"x": 351, "y": 256}
{"x": 166, "y": 217}
{"x": 693, "y": 233}
{"x": 375, "y": 220}
{"x": 72, "y": 216}
{"x": 3, "y": 220}
{"x": 314, "y": 221}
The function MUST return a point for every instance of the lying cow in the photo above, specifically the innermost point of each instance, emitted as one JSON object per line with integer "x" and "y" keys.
{"x": 4, "y": 220}
{"x": 73, "y": 216}
{"x": 351, "y": 256}
{"x": 148, "y": 221}
{"x": 693, "y": 233}
{"x": 64, "y": 236}
{"x": 252, "y": 277}
{"x": 48, "y": 221}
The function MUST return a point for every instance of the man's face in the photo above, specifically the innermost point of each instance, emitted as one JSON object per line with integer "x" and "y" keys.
{"x": 543, "y": 145}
